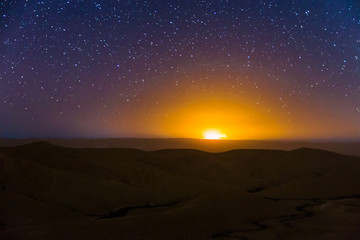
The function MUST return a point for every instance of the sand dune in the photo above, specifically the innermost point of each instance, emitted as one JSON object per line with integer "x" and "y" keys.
{"x": 52, "y": 192}
{"x": 152, "y": 144}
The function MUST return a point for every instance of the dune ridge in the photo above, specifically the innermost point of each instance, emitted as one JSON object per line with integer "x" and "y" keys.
{"x": 54, "y": 192}
{"x": 346, "y": 147}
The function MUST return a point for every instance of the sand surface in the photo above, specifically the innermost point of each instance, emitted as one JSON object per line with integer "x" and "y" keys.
{"x": 51, "y": 192}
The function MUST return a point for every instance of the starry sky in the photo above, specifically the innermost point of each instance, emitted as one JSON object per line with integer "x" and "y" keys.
{"x": 253, "y": 69}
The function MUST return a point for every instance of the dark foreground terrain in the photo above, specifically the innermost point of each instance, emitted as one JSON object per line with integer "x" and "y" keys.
{"x": 152, "y": 144}
{"x": 50, "y": 192}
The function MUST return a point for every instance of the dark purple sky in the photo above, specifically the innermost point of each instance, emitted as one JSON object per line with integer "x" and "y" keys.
{"x": 123, "y": 68}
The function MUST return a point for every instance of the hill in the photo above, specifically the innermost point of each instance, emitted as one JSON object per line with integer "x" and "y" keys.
{"x": 152, "y": 144}
{"x": 52, "y": 192}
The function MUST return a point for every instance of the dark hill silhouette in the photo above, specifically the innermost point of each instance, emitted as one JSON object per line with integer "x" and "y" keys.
{"x": 53, "y": 192}
{"x": 342, "y": 147}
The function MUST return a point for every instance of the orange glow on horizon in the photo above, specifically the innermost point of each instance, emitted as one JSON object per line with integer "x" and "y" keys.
{"x": 214, "y": 134}
{"x": 186, "y": 112}
{"x": 192, "y": 114}
{"x": 209, "y": 118}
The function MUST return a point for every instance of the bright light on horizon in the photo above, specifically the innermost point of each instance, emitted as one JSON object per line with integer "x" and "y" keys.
{"x": 214, "y": 134}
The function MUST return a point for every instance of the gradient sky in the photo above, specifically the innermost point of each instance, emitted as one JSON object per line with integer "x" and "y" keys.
{"x": 251, "y": 69}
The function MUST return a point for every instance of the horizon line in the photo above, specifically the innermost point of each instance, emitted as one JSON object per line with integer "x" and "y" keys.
{"x": 184, "y": 138}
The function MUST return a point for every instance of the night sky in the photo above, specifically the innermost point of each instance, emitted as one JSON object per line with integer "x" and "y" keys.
{"x": 251, "y": 69}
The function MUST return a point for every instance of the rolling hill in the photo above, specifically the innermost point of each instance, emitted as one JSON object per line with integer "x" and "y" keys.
{"x": 53, "y": 192}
